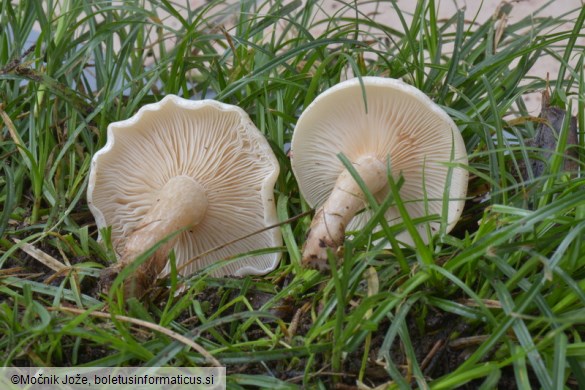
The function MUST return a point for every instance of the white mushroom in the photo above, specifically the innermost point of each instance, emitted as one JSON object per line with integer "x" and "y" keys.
{"x": 179, "y": 164}
{"x": 386, "y": 121}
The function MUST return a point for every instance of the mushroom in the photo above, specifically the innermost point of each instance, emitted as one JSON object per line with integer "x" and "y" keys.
{"x": 198, "y": 167}
{"x": 378, "y": 124}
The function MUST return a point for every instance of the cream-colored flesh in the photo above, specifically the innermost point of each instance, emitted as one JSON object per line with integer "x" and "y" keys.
{"x": 327, "y": 229}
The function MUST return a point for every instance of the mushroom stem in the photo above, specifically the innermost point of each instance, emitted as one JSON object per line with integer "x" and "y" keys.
{"x": 180, "y": 203}
{"x": 328, "y": 226}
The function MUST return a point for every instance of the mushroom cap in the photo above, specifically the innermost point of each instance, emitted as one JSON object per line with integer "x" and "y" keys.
{"x": 214, "y": 143}
{"x": 401, "y": 124}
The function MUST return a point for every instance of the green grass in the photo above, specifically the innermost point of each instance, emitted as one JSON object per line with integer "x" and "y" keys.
{"x": 499, "y": 301}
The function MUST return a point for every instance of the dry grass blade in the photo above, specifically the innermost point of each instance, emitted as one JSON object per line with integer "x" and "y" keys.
{"x": 12, "y": 130}
{"x": 149, "y": 325}
{"x": 489, "y": 303}
{"x": 42, "y": 257}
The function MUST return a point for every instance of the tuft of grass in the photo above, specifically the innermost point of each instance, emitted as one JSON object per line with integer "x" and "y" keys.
{"x": 497, "y": 302}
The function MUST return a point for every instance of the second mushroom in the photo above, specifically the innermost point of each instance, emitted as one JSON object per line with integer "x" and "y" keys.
{"x": 375, "y": 123}
{"x": 198, "y": 169}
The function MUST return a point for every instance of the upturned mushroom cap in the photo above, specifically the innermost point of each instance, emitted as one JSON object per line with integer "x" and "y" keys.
{"x": 206, "y": 154}
{"x": 400, "y": 123}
